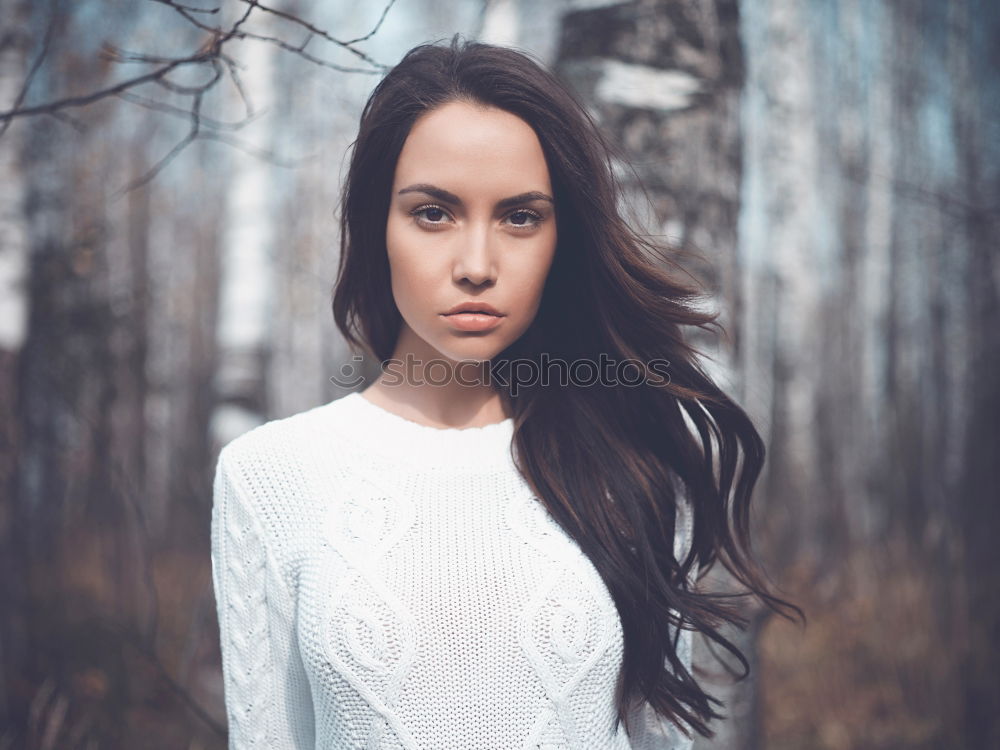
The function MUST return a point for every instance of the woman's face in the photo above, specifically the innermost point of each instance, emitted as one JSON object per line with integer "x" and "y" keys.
{"x": 471, "y": 219}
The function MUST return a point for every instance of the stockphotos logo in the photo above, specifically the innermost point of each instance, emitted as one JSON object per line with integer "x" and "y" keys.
{"x": 512, "y": 374}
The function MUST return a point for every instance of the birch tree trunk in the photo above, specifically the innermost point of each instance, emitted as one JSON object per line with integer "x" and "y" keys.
{"x": 664, "y": 80}
{"x": 246, "y": 298}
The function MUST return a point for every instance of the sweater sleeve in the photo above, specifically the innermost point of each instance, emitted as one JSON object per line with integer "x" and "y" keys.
{"x": 267, "y": 696}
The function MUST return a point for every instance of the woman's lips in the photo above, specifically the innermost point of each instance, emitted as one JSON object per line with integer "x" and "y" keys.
{"x": 473, "y": 321}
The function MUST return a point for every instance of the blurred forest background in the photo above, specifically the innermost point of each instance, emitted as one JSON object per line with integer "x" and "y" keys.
{"x": 168, "y": 246}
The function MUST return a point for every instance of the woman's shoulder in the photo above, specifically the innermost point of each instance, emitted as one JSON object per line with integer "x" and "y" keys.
{"x": 284, "y": 470}
{"x": 285, "y": 450}
{"x": 296, "y": 433}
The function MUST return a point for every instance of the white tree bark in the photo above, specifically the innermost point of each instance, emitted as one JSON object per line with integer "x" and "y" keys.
{"x": 13, "y": 230}
{"x": 248, "y": 270}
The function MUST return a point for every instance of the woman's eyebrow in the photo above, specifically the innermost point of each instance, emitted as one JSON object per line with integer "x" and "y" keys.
{"x": 446, "y": 197}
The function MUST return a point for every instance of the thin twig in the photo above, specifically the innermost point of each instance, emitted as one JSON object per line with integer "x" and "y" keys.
{"x": 186, "y": 11}
{"x": 188, "y": 139}
{"x": 80, "y": 101}
{"x": 170, "y": 109}
{"x": 376, "y": 27}
{"x": 46, "y": 44}
{"x": 300, "y": 51}
{"x": 320, "y": 33}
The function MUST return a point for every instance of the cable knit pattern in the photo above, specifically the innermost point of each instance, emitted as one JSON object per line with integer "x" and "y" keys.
{"x": 386, "y": 585}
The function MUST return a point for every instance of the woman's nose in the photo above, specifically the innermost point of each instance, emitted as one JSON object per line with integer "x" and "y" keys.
{"x": 475, "y": 261}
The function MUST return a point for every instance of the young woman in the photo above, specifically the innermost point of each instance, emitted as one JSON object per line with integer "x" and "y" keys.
{"x": 497, "y": 543}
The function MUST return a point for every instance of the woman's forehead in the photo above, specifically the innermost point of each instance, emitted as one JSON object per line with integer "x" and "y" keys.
{"x": 459, "y": 146}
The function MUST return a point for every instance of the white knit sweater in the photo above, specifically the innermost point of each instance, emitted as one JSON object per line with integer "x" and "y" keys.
{"x": 385, "y": 584}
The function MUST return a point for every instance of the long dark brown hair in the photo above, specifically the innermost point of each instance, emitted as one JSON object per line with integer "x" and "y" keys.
{"x": 609, "y": 463}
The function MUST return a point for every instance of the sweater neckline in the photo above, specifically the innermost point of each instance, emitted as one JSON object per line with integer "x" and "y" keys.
{"x": 395, "y": 436}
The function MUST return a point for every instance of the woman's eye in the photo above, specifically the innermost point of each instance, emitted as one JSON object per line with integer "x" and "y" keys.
{"x": 529, "y": 219}
{"x": 432, "y": 214}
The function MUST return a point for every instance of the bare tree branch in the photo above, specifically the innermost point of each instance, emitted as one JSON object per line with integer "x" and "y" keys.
{"x": 64, "y": 118}
{"x": 320, "y": 33}
{"x": 184, "y": 142}
{"x": 268, "y": 156}
{"x": 79, "y": 101}
{"x": 375, "y": 28}
{"x": 197, "y": 132}
{"x": 170, "y": 109}
{"x": 300, "y": 51}
{"x": 192, "y": 9}
{"x": 210, "y": 52}
{"x": 234, "y": 75}
{"x": 186, "y": 11}
{"x": 46, "y": 44}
